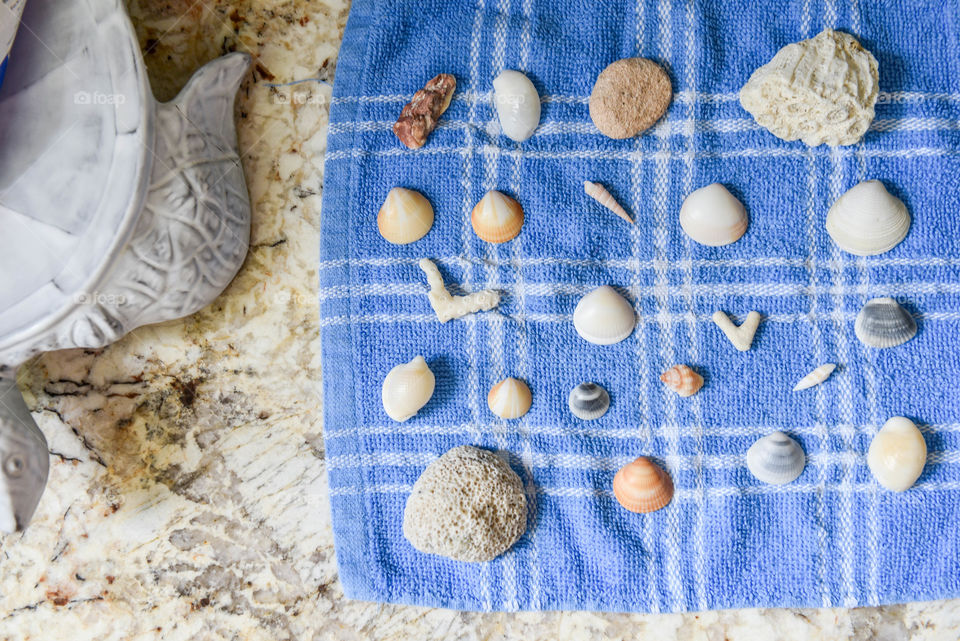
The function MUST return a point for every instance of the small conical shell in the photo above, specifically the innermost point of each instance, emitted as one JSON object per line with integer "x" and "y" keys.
{"x": 600, "y": 194}
{"x": 604, "y": 317}
{"x": 510, "y": 398}
{"x": 588, "y": 401}
{"x": 897, "y": 454}
{"x": 406, "y": 216}
{"x": 407, "y": 388}
{"x": 776, "y": 459}
{"x": 883, "y": 323}
{"x": 642, "y": 486}
{"x": 815, "y": 377}
{"x": 682, "y": 380}
{"x": 497, "y": 218}
{"x": 713, "y": 216}
{"x": 868, "y": 220}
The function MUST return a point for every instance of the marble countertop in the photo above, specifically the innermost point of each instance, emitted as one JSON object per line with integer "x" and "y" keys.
{"x": 187, "y": 495}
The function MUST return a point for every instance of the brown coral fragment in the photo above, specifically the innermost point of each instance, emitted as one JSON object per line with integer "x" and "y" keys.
{"x": 419, "y": 116}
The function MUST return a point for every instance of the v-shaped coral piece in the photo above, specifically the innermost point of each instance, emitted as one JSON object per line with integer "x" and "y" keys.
{"x": 448, "y": 306}
{"x": 742, "y": 336}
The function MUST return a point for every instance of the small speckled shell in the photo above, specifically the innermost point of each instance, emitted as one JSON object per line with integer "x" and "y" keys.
{"x": 776, "y": 459}
{"x": 897, "y": 454}
{"x": 883, "y": 323}
{"x": 642, "y": 486}
{"x": 604, "y": 317}
{"x": 407, "y": 388}
{"x": 713, "y": 216}
{"x": 510, "y": 398}
{"x": 406, "y": 216}
{"x": 497, "y": 218}
{"x": 682, "y": 380}
{"x": 588, "y": 401}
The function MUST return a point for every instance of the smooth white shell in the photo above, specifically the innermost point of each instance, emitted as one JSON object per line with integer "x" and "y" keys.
{"x": 868, "y": 220}
{"x": 407, "y": 388}
{"x": 604, "y": 317}
{"x": 713, "y": 216}
{"x": 897, "y": 454}
{"x": 518, "y": 104}
{"x": 776, "y": 459}
{"x": 883, "y": 323}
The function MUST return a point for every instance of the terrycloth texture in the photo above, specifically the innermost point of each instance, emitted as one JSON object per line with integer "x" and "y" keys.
{"x": 830, "y": 538}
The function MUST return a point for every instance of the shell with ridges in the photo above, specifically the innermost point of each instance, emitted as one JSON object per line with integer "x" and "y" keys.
{"x": 407, "y": 388}
{"x": 600, "y": 194}
{"x": 510, "y": 398}
{"x": 642, "y": 486}
{"x": 776, "y": 459}
{"x": 604, "y": 317}
{"x": 682, "y": 380}
{"x": 406, "y": 216}
{"x": 897, "y": 454}
{"x": 884, "y": 323}
{"x": 868, "y": 220}
{"x": 713, "y": 216}
{"x": 815, "y": 377}
{"x": 588, "y": 401}
{"x": 497, "y": 218}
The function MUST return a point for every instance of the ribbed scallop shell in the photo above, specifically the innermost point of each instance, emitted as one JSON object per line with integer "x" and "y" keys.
{"x": 713, "y": 216}
{"x": 642, "y": 486}
{"x": 588, "y": 401}
{"x": 883, "y": 323}
{"x": 776, "y": 459}
{"x": 604, "y": 317}
{"x": 897, "y": 454}
{"x": 815, "y": 377}
{"x": 406, "y": 216}
{"x": 510, "y": 398}
{"x": 407, "y": 388}
{"x": 497, "y": 218}
{"x": 682, "y": 380}
{"x": 868, "y": 220}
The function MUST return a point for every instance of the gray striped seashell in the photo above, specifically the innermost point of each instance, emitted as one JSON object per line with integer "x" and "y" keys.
{"x": 776, "y": 459}
{"x": 588, "y": 401}
{"x": 883, "y": 323}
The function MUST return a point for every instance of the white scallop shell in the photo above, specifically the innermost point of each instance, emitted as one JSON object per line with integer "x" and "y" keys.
{"x": 815, "y": 377}
{"x": 883, "y": 323}
{"x": 713, "y": 216}
{"x": 406, "y": 216}
{"x": 588, "y": 401}
{"x": 897, "y": 454}
{"x": 604, "y": 317}
{"x": 518, "y": 104}
{"x": 868, "y": 220}
{"x": 510, "y": 398}
{"x": 776, "y": 459}
{"x": 407, "y": 388}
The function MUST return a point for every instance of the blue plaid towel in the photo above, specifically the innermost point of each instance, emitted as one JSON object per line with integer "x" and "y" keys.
{"x": 831, "y": 538}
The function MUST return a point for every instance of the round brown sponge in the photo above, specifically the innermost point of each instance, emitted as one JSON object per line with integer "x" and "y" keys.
{"x": 629, "y": 96}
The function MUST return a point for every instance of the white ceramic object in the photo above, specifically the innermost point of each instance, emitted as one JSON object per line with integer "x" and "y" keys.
{"x": 815, "y": 377}
{"x": 884, "y": 323}
{"x": 713, "y": 216}
{"x": 600, "y": 194}
{"x": 448, "y": 306}
{"x": 868, "y": 220}
{"x": 117, "y": 211}
{"x": 518, "y": 104}
{"x": 588, "y": 401}
{"x": 407, "y": 388}
{"x": 776, "y": 459}
{"x": 821, "y": 90}
{"x": 604, "y": 317}
{"x": 740, "y": 336}
{"x": 405, "y": 216}
{"x": 510, "y": 398}
{"x": 897, "y": 454}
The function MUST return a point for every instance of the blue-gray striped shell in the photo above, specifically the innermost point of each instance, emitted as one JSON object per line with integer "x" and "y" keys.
{"x": 883, "y": 323}
{"x": 588, "y": 401}
{"x": 776, "y": 459}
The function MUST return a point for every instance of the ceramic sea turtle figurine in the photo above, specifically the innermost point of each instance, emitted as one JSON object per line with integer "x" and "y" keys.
{"x": 116, "y": 211}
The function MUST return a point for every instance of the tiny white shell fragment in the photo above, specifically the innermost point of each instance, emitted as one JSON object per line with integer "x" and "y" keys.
{"x": 776, "y": 459}
{"x": 600, "y": 194}
{"x": 884, "y": 323}
{"x": 518, "y": 104}
{"x": 448, "y": 306}
{"x": 588, "y": 401}
{"x": 897, "y": 454}
{"x": 713, "y": 216}
{"x": 742, "y": 336}
{"x": 815, "y": 377}
{"x": 604, "y": 317}
{"x": 407, "y": 388}
{"x": 868, "y": 220}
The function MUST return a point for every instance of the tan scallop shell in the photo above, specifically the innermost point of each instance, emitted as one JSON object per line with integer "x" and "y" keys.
{"x": 406, "y": 216}
{"x": 510, "y": 398}
{"x": 642, "y": 486}
{"x": 682, "y": 380}
{"x": 407, "y": 388}
{"x": 497, "y": 218}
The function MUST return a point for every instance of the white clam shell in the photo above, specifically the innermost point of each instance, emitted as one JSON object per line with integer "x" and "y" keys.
{"x": 713, "y": 216}
{"x": 407, "y": 388}
{"x": 897, "y": 454}
{"x": 776, "y": 459}
{"x": 518, "y": 104}
{"x": 604, "y": 317}
{"x": 405, "y": 216}
{"x": 588, "y": 401}
{"x": 868, "y": 220}
{"x": 884, "y": 323}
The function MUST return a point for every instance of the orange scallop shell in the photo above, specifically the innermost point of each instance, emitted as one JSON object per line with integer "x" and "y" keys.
{"x": 642, "y": 486}
{"x": 682, "y": 380}
{"x": 497, "y": 218}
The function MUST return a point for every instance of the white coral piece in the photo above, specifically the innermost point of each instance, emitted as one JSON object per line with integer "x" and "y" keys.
{"x": 820, "y": 90}
{"x": 448, "y": 306}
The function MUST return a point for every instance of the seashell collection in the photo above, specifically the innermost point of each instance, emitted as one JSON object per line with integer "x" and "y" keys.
{"x": 820, "y": 90}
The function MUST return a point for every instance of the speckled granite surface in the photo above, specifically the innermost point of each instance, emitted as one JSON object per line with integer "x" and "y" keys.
{"x": 187, "y": 494}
